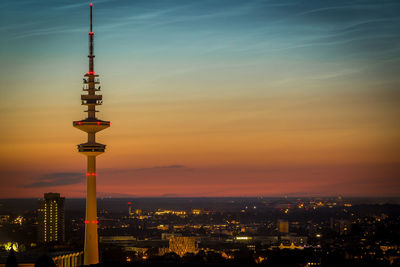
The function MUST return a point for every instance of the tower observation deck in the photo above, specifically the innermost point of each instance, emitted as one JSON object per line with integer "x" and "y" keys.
{"x": 91, "y": 125}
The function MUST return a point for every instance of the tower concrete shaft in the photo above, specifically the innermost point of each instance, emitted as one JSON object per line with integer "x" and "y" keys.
{"x": 91, "y": 249}
{"x": 91, "y": 125}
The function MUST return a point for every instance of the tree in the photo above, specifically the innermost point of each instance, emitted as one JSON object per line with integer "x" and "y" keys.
{"x": 45, "y": 261}
{"x": 11, "y": 259}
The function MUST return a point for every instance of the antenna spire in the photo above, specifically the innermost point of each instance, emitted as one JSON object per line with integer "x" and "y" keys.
{"x": 91, "y": 7}
{"x": 91, "y": 56}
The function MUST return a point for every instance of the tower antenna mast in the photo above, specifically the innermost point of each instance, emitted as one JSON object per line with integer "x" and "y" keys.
{"x": 91, "y": 149}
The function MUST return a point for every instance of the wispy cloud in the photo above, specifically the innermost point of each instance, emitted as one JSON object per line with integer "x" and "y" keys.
{"x": 57, "y": 179}
{"x": 148, "y": 169}
{"x": 159, "y": 168}
{"x": 77, "y": 5}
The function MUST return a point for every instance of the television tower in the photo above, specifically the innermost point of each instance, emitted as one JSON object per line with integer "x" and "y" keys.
{"x": 91, "y": 125}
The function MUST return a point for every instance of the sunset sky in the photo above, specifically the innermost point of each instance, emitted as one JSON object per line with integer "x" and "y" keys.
{"x": 206, "y": 98}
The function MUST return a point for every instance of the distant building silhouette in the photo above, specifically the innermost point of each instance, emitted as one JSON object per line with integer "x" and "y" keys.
{"x": 51, "y": 218}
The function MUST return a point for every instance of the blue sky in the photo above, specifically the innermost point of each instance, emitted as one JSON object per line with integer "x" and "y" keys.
{"x": 212, "y": 84}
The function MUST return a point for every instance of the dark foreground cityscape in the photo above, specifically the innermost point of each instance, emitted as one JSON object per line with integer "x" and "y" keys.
{"x": 332, "y": 231}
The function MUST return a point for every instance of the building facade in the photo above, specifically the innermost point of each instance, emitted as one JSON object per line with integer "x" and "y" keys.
{"x": 51, "y": 218}
{"x": 183, "y": 244}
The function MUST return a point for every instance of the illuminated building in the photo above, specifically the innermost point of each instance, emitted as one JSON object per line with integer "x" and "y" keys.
{"x": 51, "y": 218}
{"x": 182, "y": 245}
{"x": 136, "y": 213}
{"x": 181, "y": 214}
{"x": 243, "y": 238}
{"x": 130, "y": 209}
{"x": 163, "y": 227}
{"x": 4, "y": 218}
{"x": 343, "y": 226}
{"x": 283, "y": 226}
{"x": 290, "y": 246}
{"x": 314, "y": 263}
{"x": 91, "y": 125}
{"x": 196, "y": 211}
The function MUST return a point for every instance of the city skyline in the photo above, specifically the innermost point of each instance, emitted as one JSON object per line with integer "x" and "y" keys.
{"x": 223, "y": 98}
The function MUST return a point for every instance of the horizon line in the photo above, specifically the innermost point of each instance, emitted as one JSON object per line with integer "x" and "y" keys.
{"x": 189, "y": 197}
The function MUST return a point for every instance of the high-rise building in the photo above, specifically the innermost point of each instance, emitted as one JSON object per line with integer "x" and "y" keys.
{"x": 51, "y": 218}
{"x": 91, "y": 149}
